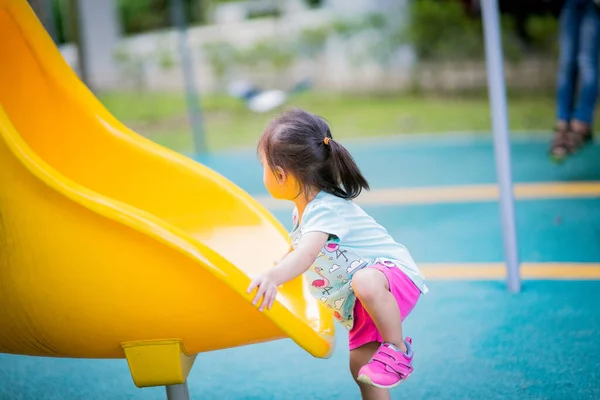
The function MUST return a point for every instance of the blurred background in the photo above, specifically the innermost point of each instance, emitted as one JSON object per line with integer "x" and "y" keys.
{"x": 372, "y": 67}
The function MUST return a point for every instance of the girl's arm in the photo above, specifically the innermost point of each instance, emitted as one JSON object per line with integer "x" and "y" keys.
{"x": 298, "y": 261}
{"x": 293, "y": 264}
{"x": 284, "y": 256}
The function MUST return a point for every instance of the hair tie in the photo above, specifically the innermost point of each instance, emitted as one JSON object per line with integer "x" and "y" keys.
{"x": 326, "y": 140}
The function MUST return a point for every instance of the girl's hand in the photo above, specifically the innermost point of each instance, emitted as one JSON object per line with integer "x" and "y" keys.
{"x": 266, "y": 289}
{"x": 295, "y": 263}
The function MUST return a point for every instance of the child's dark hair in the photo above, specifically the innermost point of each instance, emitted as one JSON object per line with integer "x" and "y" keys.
{"x": 301, "y": 143}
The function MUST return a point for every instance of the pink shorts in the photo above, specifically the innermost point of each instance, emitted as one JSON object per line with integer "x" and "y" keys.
{"x": 406, "y": 294}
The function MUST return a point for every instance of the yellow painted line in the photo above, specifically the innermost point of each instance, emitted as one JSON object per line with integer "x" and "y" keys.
{"x": 463, "y": 194}
{"x": 494, "y": 271}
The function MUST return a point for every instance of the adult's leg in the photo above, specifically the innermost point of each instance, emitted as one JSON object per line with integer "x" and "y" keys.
{"x": 587, "y": 62}
{"x": 570, "y": 18}
{"x": 569, "y": 21}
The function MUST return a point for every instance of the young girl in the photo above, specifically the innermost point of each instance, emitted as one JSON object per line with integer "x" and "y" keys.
{"x": 368, "y": 281}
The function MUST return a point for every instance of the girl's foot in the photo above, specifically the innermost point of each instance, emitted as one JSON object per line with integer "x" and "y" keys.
{"x": 389, "y": 366}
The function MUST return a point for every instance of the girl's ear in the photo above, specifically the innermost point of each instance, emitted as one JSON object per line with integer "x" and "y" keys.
{"x": 280, "y": 175}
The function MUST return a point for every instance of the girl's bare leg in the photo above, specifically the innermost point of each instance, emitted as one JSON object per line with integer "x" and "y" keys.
{"x": 358, "y": 358}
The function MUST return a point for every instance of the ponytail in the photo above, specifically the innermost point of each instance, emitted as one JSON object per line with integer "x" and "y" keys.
{"x": 346, "y": 172}
{"x": 300, "y": 143}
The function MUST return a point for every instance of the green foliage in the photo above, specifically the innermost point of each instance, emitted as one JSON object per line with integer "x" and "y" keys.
{"x": 220, "y": 55}
{"x": 131, "y": 66}
{"x": 544, "y": 32}
{"x": 314, "y": 3}
{"x": 60, "y": 23}
{"x": 164, "y": 55}
{"x": 277, "y": 54}
{"x": 348, "y": 27}
{"x": 312, "y": 41}
{"x": 511, "y": 46}
{"x": 145, "y": 15}
{"x": 440, "y": 30}
{"x": 274, "y": 53}
{"x": 135, "y": 16}
{"x": 275, "y": 12}
{"x": 378, "y": 37}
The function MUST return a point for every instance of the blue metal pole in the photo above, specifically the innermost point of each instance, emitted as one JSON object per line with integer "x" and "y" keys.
{"x": 193, "y": 99}
{"x": 497, "y": 95}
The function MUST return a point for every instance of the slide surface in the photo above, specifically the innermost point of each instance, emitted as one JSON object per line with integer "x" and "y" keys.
{"x": 107, "y": 238}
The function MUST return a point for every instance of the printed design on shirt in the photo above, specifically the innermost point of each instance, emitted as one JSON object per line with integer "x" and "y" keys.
{"x": 330, "y": 276}
{"x": 334, "y": 268}
{"x": 355, "y": 266}
{"x": 333, "y": 246}
{"x": 339, "y": 302}
{"x": 322, "y": 282}
{"x": 331, "y": 280}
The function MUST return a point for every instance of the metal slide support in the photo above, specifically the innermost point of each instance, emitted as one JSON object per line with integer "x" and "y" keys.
{"x": 193, "y": 99}
{"x": 178, "y": 392}
{"x": 497, "y": 95}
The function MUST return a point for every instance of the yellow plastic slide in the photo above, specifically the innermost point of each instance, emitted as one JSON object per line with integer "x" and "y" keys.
{"x": 112, "y": 246}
